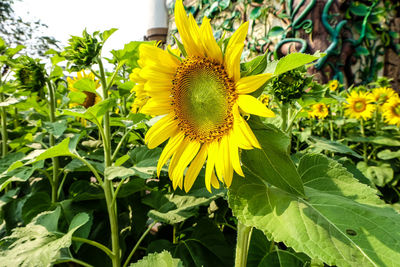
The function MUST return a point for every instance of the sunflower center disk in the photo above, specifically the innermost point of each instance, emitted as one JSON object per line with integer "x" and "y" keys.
{"x": 203, "y": 97}
{"x": 396, "y": 110}
{"x": 359, "y": 106}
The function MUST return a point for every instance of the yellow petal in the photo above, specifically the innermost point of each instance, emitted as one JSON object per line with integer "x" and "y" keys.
{"x": 161, "y": 131}
{"x": 219, "y": 162}
{"x": 212, "y": 154}
{"x": 195, "y": 167}
{"x": 234, "y": 155}
{"x": 232, "y": 63}
{"x": 155, "y": 108}
{"x": 250, "y": 104}
{"x": 151, "y": 74}
{"x": 174, "y": 162}
{"x": 234, "y": 51}
{"x": 169, "y": 150}
{"x": 185, "y": 158}
{"x": 188, "y": 30}
{"x": 249, "y": 84}
{"x": 158, "y": 56}
{"x": 214, "y": 180}
{"x": 210, "y": 45}
{"x": 227, "y": 165}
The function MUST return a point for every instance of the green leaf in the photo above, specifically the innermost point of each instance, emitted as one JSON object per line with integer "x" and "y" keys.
{"x": 388, "y": 154}
{"x": 34, "y": 245}
{"x": 358, "y": 9}
{"x": 61, "y": 149}
{"x": 379, "y": 175}
{"x": 320, "y": 144}
{"x": 131, "y": 187}
{"x": 254, "y": 67}
{"x": 56, "y": 128}
{"x": 275, "y": 31}
{"x": 292, "y": 61}
{"x": 106, "y": 34}
{"x": 113, "y": 172}
{"x": 85, "y": 85}
{"x": 272, "y": 163}
{"x": 281, "y": 257}
{"x": 57, "y": 72}
{"x": 35, "y": 204}
{"x": 387, "y": 141}
{"x": 83, "y": 190}
{"x": 174, "y": 208}
{"x": 49, "y": 219}
{"x": 255, "y": 13}
{"x": 11, "y": 101}
{"x": 163, "y": 259}
{"x": 341, "y": 221}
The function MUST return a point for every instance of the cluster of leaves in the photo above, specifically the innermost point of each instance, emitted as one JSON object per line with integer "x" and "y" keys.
{"x": 56, "y": 166}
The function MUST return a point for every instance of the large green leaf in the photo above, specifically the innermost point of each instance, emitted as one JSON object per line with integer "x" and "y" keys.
{"x": 33, "y": 245}
{"x": 163, "y": 259}
{"x": 318, "y": 145}
{"x": 341, "y": 221}
{"x": 290, "y": 62}
{"x": 272, "y": 161}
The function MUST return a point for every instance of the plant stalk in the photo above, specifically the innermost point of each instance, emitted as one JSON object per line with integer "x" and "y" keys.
{"x": 138, "y": 243}
{"x": 56, "y": 164}
{"x": 107, "y": 184}
{"x": 242, "y": 244}
{"x": 4, "y": 133}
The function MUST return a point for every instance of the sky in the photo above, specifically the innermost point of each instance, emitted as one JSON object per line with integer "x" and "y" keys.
{"x": 71, "y": 17}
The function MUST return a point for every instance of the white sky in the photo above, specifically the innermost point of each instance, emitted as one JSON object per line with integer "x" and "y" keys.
{"x": 71, "y": 17}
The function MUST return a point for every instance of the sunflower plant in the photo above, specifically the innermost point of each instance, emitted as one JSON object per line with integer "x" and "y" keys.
{"x": 192, "y": 155}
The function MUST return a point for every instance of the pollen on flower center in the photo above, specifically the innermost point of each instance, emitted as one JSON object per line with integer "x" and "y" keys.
{"x": 202, "y": 97}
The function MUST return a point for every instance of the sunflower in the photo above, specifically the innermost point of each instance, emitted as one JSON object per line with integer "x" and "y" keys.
{"x": 201, "y": 97}
{"x": 391, "y": 110}
{"x": 319, "y": 110}
{"x": 91, "y": 98}
{"x": 382, "y": 94}
{"x": 359, "y": 105}
{"x": 333, "y": 85}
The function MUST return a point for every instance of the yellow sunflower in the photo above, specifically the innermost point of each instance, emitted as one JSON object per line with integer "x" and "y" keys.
{"x": 91, "y": 98}
{"x": 359, "y": 105}
{"x": 319, "y": 110}
{"x": 333, "y": 85}
{"x": 391, "y": 110}
{"x": 201, "y": 97}
{"x": 382, "y": 94}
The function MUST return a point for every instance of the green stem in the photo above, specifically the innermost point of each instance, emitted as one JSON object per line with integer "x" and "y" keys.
{"x": 90, "y": 166}
{"x": 242, "y": 244}
{"x": 107, "y": 184}
{"x": 138, "y": 243}
{"x": 82, "y": 263}
{"x": 284, "y": 115}
{"x": 56, "y": 164}
{"x": 365, "y": 156}
{"x": 4, "y": 133}
{"x": 95, "y": 244}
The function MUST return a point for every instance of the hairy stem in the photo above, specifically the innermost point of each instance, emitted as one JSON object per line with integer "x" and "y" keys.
{"x": 242, "y": 244}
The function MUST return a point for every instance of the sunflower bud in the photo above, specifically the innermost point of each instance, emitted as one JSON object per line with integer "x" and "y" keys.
{"x": 82, "y": 51}
{"x": 30, "y": 74}
{"x": 289, "y": 86}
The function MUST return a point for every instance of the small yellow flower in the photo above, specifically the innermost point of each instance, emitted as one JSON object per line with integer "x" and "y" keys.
{"x": 391, "y": 110}
{"x": 319, "y": 110}
{"x": 91, "y": 98}
{"x": 117, "y": 111}
{"x": 333, "y": 85}
{"x": 382, "y": 94}
{"x": 201, "y": 97}
{"x": 58, "y": 101}
{"x": 359, "y": 105}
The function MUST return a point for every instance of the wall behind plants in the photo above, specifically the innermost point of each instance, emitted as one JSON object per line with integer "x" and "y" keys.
{"x": 361, "y": 38}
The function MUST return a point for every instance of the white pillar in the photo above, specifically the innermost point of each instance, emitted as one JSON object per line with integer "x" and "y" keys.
{"x": 157, "y": 24}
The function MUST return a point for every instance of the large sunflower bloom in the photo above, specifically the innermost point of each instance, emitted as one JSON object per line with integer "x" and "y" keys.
{"x": 381, "y": 95}
{"x": 319, "y": 110}
{"x": 201, "y": 97}
{"x": 91, "y": 98}
{"x": 391, "y": 110}
{"x": 359, "y": 105}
